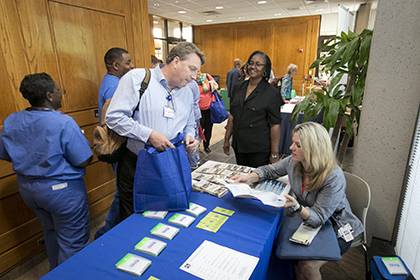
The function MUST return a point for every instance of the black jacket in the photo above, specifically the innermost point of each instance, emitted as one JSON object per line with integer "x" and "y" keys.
{"x": 253, "y": 117}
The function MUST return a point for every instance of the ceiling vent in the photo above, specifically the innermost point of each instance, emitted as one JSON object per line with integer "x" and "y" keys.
{"x": 210, "y": 13}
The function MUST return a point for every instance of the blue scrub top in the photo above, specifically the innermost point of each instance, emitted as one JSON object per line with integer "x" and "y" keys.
{"x": 44, "y": 144}
{"x": 108, "y": 86}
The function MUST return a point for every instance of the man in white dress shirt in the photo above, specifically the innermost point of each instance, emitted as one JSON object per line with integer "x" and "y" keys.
{"x": 164, "y": 110}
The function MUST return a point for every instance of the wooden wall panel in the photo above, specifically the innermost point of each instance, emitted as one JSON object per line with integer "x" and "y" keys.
{"x": 141, "y": 31}
{"x": 67, "y": 39}
{"x": 251, "y": 37}
{"x": 290, "y": 40}
{"x": 13, "y": 213}
{"x": 8, "y": 93}
{"x": 118, "y": 7}
{"x": 291, "y": 48}
{"x": 214, "y": 46}
{"x": 14, "y": 64}
{"x": 82, "y": 37}
{"x": 36, "y": 38}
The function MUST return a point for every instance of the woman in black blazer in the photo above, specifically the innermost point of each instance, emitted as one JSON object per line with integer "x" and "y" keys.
{"x": 254, "y": 120}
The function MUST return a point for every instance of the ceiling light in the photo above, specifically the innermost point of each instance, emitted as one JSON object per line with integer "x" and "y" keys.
{"x": 277, "y": 14}
{"x": 240, "y": 17}
{"x": 156, "y": 4}
{"x": 209, "y": 20}
{"x": 219, "y": 8}
{"x": 155, "y": 22}
{"x": 182, "y": 12}
{"x": 261, "y": 2}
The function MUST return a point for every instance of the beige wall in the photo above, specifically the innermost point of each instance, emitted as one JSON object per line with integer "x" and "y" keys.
{"x": 389, "y": 110}
{"x": 362, "y": 17}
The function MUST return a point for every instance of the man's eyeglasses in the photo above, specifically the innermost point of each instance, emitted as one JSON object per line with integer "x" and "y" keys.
{"x": 257, "y": 64}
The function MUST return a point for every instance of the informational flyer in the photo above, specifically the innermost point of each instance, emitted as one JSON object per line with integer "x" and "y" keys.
{"x": 155, "y": 214}
{"x": 212, "y": 222}
{"x": 212, "y": 261}
{"x": 196, "y": 209}
{"x": 133, "y": 264}
{"x": 223, "y": 211}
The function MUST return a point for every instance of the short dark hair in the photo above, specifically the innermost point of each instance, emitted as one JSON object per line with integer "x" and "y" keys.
{"x": 267, "y": 67}
{"x": 182, "y": 50}
{"x": 155, "y": 60}
{"x": 112, "y": 55}
{"x": 34, "y": 88}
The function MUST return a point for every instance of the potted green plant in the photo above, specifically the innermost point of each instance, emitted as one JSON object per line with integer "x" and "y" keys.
{"x": 340, "y": 102}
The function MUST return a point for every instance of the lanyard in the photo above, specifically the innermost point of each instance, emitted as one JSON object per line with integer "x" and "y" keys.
{"x": 170, "y": 99}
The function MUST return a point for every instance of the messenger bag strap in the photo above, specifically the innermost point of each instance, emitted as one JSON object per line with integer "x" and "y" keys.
{"x": 143, "y": 87}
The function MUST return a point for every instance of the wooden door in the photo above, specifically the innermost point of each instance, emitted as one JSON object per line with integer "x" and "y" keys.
{"x": 290, "y": 47}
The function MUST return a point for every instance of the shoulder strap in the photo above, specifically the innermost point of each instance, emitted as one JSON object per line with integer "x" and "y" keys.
{"x": 143, "y": 87}
{"x": 145, "y": 82}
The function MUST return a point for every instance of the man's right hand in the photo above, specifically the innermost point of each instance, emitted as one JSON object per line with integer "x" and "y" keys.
{"x": 159, "y": 141}
{"x": 226, "y": 148}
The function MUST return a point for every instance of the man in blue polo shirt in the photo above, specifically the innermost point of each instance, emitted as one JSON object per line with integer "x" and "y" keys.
{"x": 117, "y": 63}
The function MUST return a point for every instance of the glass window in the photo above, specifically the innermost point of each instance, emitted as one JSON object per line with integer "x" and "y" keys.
{"x": 187, "y": 32}
{"x": 160, "y": 49}
{"x": 167, "y": 33}
{"x": 174, "y": 29}
{"x": 158, "y": 27}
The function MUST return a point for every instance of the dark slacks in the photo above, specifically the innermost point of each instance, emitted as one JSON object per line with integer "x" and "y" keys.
{"x": 125, "y": 179}
{"x": 207, "y": 126}
{"x": 252, "y": 159}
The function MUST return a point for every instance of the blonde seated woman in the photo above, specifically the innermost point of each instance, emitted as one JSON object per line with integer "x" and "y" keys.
{"x": 318, "y": 188}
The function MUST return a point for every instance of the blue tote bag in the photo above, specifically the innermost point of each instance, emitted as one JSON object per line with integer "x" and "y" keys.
{"x": 162, "y": 181}
{"x": 218, "y": 113}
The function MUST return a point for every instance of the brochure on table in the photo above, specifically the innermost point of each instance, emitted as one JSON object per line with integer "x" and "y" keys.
{"x": 150, "y": 246}
{"x": 215, "y": 262}
{"x": 268, "y": 192}
{"x": 133, "y": 264}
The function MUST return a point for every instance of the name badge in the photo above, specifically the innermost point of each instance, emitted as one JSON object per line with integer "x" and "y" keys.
{"x": 168, "y": 112}
{"x": 59, "y": 186}
{"x": 346, "y": 232}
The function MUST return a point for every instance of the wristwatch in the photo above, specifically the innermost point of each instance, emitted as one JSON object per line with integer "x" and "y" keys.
{"x": 297, "y": 208}
{"x": 274, "y": 156}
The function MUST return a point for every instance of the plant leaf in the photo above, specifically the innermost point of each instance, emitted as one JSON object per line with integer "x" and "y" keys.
{"x": 350, "y": 50}
{"x": 337, "y": 78}
{"x": 331, "y": 113}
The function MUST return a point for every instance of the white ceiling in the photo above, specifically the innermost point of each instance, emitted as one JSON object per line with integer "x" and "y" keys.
{"x": 244, "y": 10}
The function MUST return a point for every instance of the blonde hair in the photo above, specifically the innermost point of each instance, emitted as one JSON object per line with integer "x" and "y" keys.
{"x": 291, "y": 67}
{"x": 319, "y": 158}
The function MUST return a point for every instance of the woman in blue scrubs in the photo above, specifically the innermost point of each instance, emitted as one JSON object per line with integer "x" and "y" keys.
{"x": 49, "y": 152}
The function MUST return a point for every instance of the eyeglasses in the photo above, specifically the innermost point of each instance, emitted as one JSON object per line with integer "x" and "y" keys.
{"x": 259, "y": 65}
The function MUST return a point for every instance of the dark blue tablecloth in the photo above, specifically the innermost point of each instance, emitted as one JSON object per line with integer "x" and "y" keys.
{"x": 286, "y": 129}
{"x": 252, "y": 230}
